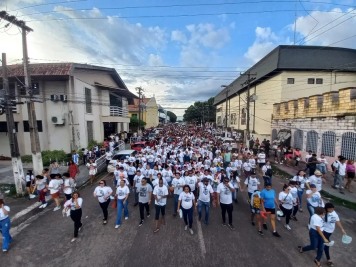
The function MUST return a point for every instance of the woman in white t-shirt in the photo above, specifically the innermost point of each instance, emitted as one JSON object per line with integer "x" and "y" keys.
{"x": 186, "y": 202}
{"x": 317, "y": 238}
{"x": 313, "y": 199}
{"x": 68, "y": 185}
{"x": 301, "y": 184}
{"x": 103, "y": 193}
{"x": 286, "y": 202}
{"x": 5, "y": 225}
{"x": 91, "y": 165}
{"x": 75, "y": 206}
{"x": 331, "y": 219}
{"x": 122, "y": 195}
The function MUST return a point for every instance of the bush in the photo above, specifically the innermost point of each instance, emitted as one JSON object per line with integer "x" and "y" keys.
{"x": 26, "y": 158}
{"x": 50, "y": 155}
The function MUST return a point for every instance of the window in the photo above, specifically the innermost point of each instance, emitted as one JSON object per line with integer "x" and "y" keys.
{"x": 35, "y": 88}
{"x": 306, "y": 103}
{"x": 352, "y": 93}
{"x": 312, "y": 141}
{"x": 88, "y": 106}
{"x": 348, "y": 148}
{"x": 90, "y": 131}
{"x": 335, "y": 97}
{"x": 311, "y": 80}
{"x": 319, "y": 81}
{"x": 328, "y": 144}
{"x": 298, "y": 139}
{"x": 319, "y": 102}
{"x": 278, "y": 108}
{"x": 233, "y": 118}
{"x": 3, "y": 127}
{"x": 295, "y": 104}
{"x": 290, "y": 80}
{"x": 26, "y": 126}
{"x": 286, "y": 106}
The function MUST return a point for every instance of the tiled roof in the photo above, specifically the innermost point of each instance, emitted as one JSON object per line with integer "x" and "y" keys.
{"x": 134, "y": 107}
{"x": 41, "y": 69}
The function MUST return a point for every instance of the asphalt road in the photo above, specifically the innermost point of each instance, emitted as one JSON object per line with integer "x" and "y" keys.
{"x": 44, "y": 240}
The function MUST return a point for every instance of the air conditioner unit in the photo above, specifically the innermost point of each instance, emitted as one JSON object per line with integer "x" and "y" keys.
{"x": 63, "y": 98}
{"x": 57, "y": 120}
{"x": 54, "y": 98}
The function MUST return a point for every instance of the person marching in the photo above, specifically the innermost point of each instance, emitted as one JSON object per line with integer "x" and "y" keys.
{"x": 144, "y": 199}
{"x": 160, "y": 193}
{"x": 75, "y": 206}
{"x": 224, "y": 199}
{"x": 122, "y": 195}
{"x": 102, "y": 193}
{"x": 5, "y": 225}
{"x": 91, "y": 165}
{"x": 256, "y": 207}
{"x": 205, "y": 193}
{"x": 186, "y": 202}
{"x": 269, "y": 200}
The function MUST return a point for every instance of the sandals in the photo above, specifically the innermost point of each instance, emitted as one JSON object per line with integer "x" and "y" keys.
{"x": 317, "y": 263}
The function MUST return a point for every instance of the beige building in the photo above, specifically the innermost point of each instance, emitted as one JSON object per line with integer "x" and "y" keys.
{"x": 75, "y": 103}
{"x": 288, "y": 72}
{"x": 323, "y": 123}
{"x": 149, "y": 111}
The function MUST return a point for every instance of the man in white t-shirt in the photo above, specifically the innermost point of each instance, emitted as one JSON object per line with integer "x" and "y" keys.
{"x": 144, "y": 199}
{"x": 137, "y": 182}
{"x": 224, "y": 191}
{"x": 177, "y": 183}
{"x": 160, "y": 193}
{"x": 205, "y": 191}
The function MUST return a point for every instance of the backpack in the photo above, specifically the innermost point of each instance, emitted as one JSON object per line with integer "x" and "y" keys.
{"x": 269, "y": 172}
{"x": 256, "y": 202}
{"x": 334, "y": 169}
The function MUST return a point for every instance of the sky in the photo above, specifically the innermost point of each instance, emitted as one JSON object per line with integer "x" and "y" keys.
{"x": 178, "y": 51}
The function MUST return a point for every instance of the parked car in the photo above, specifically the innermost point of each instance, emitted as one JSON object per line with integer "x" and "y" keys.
{"x": 123, "y": 154}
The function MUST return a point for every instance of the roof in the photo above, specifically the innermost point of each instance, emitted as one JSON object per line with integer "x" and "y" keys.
{"x": 292, "y": 58}
{"x": 134, "y": 107}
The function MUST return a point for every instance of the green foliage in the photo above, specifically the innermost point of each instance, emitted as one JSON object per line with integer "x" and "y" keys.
{"x": 93, "y": 143}
{"x": 26, "y": 158}
{"x": 58, "y": 155}
{"x": 201, "y": 112}
{"x": 135, "y": 123}
{"x": 172, "y": 116}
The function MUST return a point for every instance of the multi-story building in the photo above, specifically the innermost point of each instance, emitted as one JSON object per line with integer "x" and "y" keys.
{"x": 75, "y": 104}
{"x": 287, "y": 72}
{"x": 323, "y": 123}
{"x": 149, "y": 111}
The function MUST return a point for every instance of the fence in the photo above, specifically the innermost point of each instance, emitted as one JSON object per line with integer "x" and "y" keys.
{"x": 101, "y": 162}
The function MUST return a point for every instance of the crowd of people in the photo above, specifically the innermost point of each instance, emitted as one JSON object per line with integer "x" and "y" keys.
{"x": 193, "y": 170}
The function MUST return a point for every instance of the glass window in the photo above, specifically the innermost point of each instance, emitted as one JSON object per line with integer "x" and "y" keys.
{"x": 311, "y": 80}
{"x": 90, "y": 131}
{"x": 26, "y": 126}
{"x": 319, "y": 81}
{"x": 290, "y": 80}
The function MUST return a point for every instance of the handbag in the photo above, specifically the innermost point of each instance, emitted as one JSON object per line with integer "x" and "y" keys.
{"x": 114, "y": 203}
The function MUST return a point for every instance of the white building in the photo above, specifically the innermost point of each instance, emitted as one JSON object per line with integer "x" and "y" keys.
{"x": 75, "y": 104}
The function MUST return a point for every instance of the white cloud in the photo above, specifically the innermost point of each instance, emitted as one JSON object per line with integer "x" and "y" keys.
{"x": 155, "y": 60}
{"x": 178, "y": 36}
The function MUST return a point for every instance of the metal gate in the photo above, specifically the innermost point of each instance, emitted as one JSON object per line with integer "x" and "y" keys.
{"x": 328, "y": 144}
{"x": 298, "y": 139}
{"x": 348, "y": 145}
{"x": 312, "y": 141}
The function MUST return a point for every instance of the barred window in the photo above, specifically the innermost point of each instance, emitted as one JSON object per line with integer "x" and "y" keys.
{"x": 312, "y": 141}
{"x": 290, "y": 80}
{"x": 274, "y": 134}
{"x": 320, "y": 101}
{"x": 88, "y": 104}
{"x": 348, "y": 148}
{"x": 90, "y": 131}
{"x": 328, "y": 144}
{"x": 306, "y": 103}
{"x": 298, "y": 139}
{"x": 311, "y": 80}
{"x": 352, "y": 93}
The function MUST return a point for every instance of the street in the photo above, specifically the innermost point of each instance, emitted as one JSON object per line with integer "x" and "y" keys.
{"x": 44, "y": 240}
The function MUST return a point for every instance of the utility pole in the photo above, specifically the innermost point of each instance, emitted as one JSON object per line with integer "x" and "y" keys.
{"x": 248, "y": 100}
{"x": 226, "y": 114}
{"x": 139, "y": 91}
{"x": 17, "y": 167}
{"x": 32, "y": 120}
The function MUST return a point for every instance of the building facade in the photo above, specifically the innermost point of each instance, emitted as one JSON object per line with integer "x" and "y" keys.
{"x": 324, "y": 123}
{"x": 286, "y": 73}
{"x": 75, "y": 104}
{"x": 149, "y": 111}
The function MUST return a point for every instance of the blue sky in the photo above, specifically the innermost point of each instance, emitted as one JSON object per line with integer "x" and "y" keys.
{"x": 178, "y": 51}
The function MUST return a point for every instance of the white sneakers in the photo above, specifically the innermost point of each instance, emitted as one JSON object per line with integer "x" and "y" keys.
{"x": 186, "y": 228}
{"x": 57, "y": 208}
{"x": 73, "y": 239}
{"x": 117, "y": 226}
{"x": 287, "y": 227}
{"x": 43, "y": 206}
{"x": 191, "y": 231}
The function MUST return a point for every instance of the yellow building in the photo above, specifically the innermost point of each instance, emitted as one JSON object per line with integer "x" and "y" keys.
{"x": 286, "y": 73}
{"x": 149, "y": 111}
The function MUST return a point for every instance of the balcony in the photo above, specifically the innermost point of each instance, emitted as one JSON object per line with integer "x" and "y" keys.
{"x": 116, "y": 111}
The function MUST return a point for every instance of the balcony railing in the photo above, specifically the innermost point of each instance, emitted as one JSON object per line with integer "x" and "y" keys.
{"x": 118, "y": 111}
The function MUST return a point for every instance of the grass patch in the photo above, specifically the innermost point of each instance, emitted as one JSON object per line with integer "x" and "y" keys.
{"x": 8, "y": 187}
{"x": 338, "y": 201}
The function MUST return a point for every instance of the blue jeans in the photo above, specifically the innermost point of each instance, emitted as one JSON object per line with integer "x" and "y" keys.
{"x": 5, "y": 226}
{"x": 321, "y": 168}
{"x": 311, "y": 210}
{"x": 207, "y": 209}
{"x": 234, "y": 194}
{"x": 175, "y": 206}
{"x": 188, "y": 216}
{"x": 121, "y": 205}
{"x": 326, "y": 248}
{"x": 300, "y": 197}
{"x": 316, "y": 242}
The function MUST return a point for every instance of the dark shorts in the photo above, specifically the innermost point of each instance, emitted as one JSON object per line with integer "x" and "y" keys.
{"x": 28, "y": 184}
{"x": 351, "y": 175}
{"x": 255, "y": 210}
{"x": 272, "y": 211}
{"x": 159, "y": 209}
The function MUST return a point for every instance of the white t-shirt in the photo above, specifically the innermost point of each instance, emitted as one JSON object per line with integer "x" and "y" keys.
{"x": 286, "y": 199}
{"x": 225, "y": 193}
{"x": 204, "y": 192}
{"x": 160, "y": 191}
{"x": 329, "y": 224}
{"x": 186, "y": 200}
{"x": 144, "y": 193}
{"x": 41, "y": 183}
{"x": 191, "y": 181}
{"x": 178, "y": 185}
{"x": 2, "y": 215}
{"x": 317, "y": 181}
{"x": 301, "y": 180}
{"x": 137, "y": 180}
{"x": 68, "y": 186}
{"x": 315, "y": 221}
{"x": 122, "y": 192}
{"x": 261, "y": 158}
{"x": 252, "y": 184}
{"x": 315, "y": 200}
{"x": 71, "y": 204}
{"x": 55, "y": 185}
{"x": 102, "y": 193}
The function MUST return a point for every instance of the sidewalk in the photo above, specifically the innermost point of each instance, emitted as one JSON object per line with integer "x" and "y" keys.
{"x": 292, "y": 170}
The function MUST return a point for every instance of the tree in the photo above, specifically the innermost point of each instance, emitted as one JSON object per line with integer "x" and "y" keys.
{"x": 172, "y": 116}
{"x": 135, "y": 123}
{"x": 201, "y": 112}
